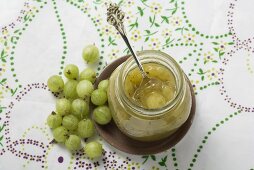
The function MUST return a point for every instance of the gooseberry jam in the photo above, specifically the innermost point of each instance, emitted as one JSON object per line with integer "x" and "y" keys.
{"x": 156, "y": 112}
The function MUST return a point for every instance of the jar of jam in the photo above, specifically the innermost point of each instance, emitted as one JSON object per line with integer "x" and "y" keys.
{"x": 149, "y": 113}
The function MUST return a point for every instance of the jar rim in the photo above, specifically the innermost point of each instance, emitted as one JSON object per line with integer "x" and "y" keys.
{"x": 177, "y": 72}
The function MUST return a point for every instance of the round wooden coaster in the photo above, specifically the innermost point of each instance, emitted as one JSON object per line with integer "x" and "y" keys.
{"x": 117, "y": 139}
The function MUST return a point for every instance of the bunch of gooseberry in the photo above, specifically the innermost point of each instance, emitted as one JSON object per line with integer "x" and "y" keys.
{"x": 71, "y": 122}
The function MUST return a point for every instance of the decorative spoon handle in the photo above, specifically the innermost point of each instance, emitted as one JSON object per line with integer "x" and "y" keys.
{"x": 115, "y": 17}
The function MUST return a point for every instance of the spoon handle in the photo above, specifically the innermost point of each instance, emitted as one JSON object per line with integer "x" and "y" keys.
{"x": 133, "y": 54}
{"x": 115, "y": 17}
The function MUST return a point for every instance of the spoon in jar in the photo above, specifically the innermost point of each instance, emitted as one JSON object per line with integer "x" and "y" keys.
{"x": 115, "y": 17}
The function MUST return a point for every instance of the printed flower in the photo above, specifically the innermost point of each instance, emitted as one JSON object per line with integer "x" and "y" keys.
{"x": 113, "y": 54}
{"x": 107, "y": 30}
{"x": 85, "y": 6}
{"x": 166, "y": 33}
{"x": 129, "y": 17}
{"x": 7, "y": 49}
{"x": 129, "y": 3}
{"x": 155, "y": 8}
{"x": 5, "y": 36}
{"x": 222, "y": 45}
{"x": 116, "y": 34}
{"x": 212, "y": 73}
{"x": 30, "y": 12}
{"x": 2, "y": 40}
{"x": 135, "y": 35}
{"x": 189, "y": 38}
{"x": 155, "y": 43}
{"x": 194, "y": 84}
{"x": 1, "y": 95}
{"x": 208, "y": 57}
{"x": 98, "y": 19}
{"x": 176, "y": 21}
{"x": 4, "y": 89}
{"x": 2, "y": 70}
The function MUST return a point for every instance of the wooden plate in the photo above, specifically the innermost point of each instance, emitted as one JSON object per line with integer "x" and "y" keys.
{"x": 117, "y": 139}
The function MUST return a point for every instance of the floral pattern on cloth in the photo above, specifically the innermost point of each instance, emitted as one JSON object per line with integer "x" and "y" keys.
{"x": 211, "y": 40}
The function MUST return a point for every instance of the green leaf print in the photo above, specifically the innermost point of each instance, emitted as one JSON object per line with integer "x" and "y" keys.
{"x": 216, "y": 49}
{"x": 148, "y": 31}
{"x": 2, "y": 53}
{"x": 13, "y": 91}
{"x": 168, "y": 41}
{"x": 157, "y": 25}
{"x": 1, "y": 110}
{"x": 111, "y": 41}
{"x": 141, "y": 11}
{"x": 182, "y": 29}
{"x": 165, "y": 18}
{"x": 215, "y": 43}
{"x": 2, "y": 82}
{"x": 97, "y": 1}
{"x": 26, "y": 18}
{"x": 173, "y": 10}
{"x": 1, "y": 128}
{"x": 120, "y": 3}
{"x": 146, "y": 158}
{"x": 153, "y": 22}
{"x": 221, "y": 54}
{"x": 127, "y": 51}
{"x": 163, "y": 161}
{"x": 202, "y": 78}
{"x": 3, "y": 59}
{"x": 13, "y": 39}
{"x": 134, "y": 25}
{"x": 1, "y": 138}
{"x": 200, "y": 71}
{"x": 149, "y": 34}
{"x": 144, "y": 2}
{"x": 153, "y": 157}
{"x": 16, "y": 31}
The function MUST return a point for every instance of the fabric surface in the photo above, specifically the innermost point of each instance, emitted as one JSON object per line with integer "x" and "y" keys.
{"x": 212, "y": 41}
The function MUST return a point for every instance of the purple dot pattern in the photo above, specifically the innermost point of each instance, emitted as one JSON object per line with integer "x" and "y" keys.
{"x": 60, "y": 159}
{"x": 110, "y": 158}
{"x": 239, "y": 45}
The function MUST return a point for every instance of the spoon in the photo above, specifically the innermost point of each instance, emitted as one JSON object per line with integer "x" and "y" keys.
{"x": 115, "y": 17}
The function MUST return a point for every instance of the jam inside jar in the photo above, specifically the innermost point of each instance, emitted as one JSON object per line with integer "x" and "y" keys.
{"x": 152, "y": 112}
{"x": 150, "y": 95}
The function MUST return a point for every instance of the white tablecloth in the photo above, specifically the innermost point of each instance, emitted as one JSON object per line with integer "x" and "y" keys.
{"x": 212, "y": 40}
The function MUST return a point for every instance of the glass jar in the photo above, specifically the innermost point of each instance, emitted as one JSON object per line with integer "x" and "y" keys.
{"x": 149, "y": 124}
